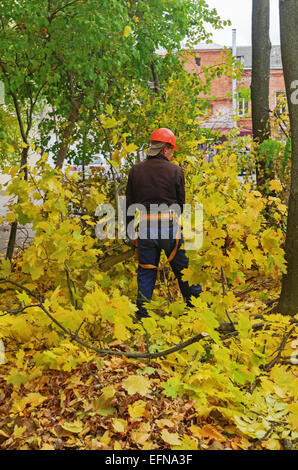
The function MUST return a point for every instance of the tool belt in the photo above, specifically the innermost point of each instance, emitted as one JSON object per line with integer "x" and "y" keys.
{"x": 160, "y": 216}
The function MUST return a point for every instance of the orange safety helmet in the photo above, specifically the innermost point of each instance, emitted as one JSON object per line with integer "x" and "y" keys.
{"x": 164, "y": 135}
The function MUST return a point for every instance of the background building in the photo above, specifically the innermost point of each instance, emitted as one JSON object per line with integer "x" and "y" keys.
{"x": 221, "y": 101}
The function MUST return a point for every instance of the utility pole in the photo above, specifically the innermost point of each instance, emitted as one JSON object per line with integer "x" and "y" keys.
{"x": 234, "y": 81}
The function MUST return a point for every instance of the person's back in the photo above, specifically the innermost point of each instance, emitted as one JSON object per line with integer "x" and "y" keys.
{"x": 158, "y": 182}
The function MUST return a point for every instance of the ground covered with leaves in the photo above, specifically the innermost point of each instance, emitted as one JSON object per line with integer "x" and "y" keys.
{"x": 72, "y": 410}
{"x": 117, "y": 403}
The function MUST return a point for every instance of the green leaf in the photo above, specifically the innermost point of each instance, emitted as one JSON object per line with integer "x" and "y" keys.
{"x": 171, "y": 388}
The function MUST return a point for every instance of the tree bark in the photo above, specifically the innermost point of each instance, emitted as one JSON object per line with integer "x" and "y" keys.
{"x": 288, "y": 303}
{"x": 156, "y": 84}
{"x": 74, "y": 113}
{"x": 14, "y": 225}
{"x": 261, "y": 49}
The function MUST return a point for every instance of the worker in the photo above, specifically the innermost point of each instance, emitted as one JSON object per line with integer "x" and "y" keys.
{"x": 159, "y": 186}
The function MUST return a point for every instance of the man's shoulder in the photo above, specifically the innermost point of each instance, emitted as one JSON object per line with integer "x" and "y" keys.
{"x": 160, "y": 162}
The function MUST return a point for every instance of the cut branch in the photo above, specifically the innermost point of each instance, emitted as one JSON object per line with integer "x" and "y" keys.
{"x": 105, "y": 352}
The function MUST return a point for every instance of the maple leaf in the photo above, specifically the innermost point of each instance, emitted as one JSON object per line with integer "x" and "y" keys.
{"x": 19, "y": 431}
{"x": 275, "y": 185}
{"x": 137, "y": 384}
{"x": 17, "y": 378}
{"x": 5, "y": 268}
{"x": 171, "y": 388}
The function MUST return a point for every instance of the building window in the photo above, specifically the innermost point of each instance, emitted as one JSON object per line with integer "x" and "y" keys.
{"x": 243, "y": 106}
{"x": 198, "y": 61}
{"x": 280, "y": 103}
{"x": 240, "y": 58}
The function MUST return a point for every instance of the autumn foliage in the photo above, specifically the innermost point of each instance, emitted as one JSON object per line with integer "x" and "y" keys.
{"x": 80, "y": 372}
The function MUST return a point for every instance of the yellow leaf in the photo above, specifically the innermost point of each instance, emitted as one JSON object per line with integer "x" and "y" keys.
{"x": 14, "y": 171}
{"x": 102, "y": 405}
{"x": 19, "y": 431}
{"x": 127, "y": 31}
{"x": 35, "y": 399}
{"x": 136, "y": 384}
{"x": 272, "y": 444}
{"x": 141, "y": 434}
{"x": 17, "y": 378}
{"x": 161, "y": 423}
{"x": 196, "y": 431}
{"x": 47, "y": 447}
{"x": 10, "y": 149}
{"x": 5, "y": 268}
{"x": 131, "y": 148}
{"x": 119, "y": 425}
{"x": 75, "y": 426}
{"x": 106, "y": 438}
{"x": 137, "y": 409}
{"x": 275, "y": 185}
{"x": 251, "y": 242}
{"x": 11, "y": 217}
{"x": 170, "y": 438}
{"x": 120, "y": 330}
{"x": 117, "y": 445}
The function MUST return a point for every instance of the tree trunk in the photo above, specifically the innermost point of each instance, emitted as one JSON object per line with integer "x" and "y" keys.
{"x": 261, "y": 48}
{"x": 14, "y": 225}
{"x": 74, "y": 113}
{"x": 156, "y": 85}
{"x": 288, "y": 303}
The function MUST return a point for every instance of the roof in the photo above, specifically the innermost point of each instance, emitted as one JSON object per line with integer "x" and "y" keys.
{"x": 246, "y": 52}
{"x": 202, "y": 46}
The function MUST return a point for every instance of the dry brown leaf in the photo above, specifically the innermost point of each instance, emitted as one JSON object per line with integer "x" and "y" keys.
{"x": 161, "y": 423}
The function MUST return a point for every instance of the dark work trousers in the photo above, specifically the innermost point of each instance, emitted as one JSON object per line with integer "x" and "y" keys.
{"x": 149, "y": 251}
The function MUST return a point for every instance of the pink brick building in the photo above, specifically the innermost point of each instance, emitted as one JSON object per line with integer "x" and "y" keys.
{"x": 221, "y": 103}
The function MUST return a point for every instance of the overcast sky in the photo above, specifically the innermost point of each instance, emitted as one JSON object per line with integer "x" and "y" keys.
{"x": 239, "y": 12}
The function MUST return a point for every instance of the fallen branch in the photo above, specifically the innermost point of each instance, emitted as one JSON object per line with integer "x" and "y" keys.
{"x": 270, "y": 364}
{"x": 266, "y": 436}
{"x": 252, "y": 288}
{"x": 104, "y": 352}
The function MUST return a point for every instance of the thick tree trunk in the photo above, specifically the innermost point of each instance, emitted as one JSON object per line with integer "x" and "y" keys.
{"x": 288, "y": 304}
{"x": 261, "y": 49}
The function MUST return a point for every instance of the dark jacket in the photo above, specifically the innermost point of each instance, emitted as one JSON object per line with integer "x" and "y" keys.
{"x": 155, "y": 181}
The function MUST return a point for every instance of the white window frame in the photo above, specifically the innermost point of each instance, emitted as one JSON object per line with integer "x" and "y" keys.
{"x": 242, "y": 106}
